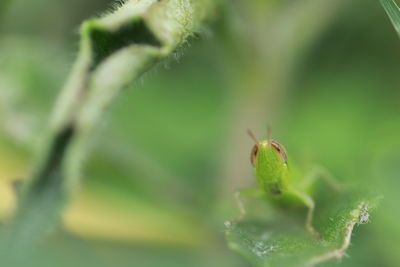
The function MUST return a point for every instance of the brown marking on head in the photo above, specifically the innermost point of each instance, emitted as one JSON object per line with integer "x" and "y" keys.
{"x": 253, "y": 155}
{"x": 254, "y": 151}
{"x": 280, "y": 149}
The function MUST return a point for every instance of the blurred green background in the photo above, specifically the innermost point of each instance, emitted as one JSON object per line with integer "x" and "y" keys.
{"x": 166, "y": 159}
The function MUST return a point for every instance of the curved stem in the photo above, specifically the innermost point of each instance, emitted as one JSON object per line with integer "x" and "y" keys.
{"x": 115, "y": 50}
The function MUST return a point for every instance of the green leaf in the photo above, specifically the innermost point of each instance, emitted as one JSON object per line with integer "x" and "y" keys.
{"x": 393, "y": 11}
{"x": 280, "y": 238}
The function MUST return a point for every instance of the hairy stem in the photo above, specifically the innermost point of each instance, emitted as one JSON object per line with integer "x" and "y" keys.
{"x": 114, "y": 51}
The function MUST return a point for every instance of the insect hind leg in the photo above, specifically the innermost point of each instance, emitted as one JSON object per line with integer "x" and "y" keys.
{"x": 319, "y": 172}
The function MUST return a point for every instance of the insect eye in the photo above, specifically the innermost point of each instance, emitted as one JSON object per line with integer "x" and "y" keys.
{"x": 280, "y": 149}
{"x": 253, "y": 155}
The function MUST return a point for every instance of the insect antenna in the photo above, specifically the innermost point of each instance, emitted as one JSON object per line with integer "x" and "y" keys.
{"x": 252, "y": 136}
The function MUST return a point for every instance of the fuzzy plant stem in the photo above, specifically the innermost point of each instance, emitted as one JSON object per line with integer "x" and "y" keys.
{"x": 114, "y": 51}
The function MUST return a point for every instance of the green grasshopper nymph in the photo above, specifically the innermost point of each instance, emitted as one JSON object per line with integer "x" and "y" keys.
{"x": 277, "y": 181}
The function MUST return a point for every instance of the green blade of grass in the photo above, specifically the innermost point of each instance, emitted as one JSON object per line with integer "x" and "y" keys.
{"x": 393, "y": 11}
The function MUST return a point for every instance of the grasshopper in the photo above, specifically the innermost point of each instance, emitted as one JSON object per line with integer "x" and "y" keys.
{"x": 278, "y": 181}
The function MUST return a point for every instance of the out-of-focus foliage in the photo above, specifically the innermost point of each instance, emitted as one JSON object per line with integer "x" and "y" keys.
{"x": 152, "y": 188}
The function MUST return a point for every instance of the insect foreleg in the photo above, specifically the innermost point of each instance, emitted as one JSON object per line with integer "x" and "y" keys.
{"x": 310, "y": 204}
{"x": 245, "y": 193}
